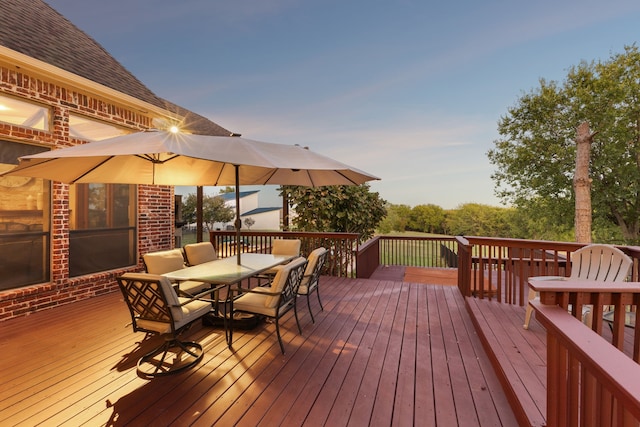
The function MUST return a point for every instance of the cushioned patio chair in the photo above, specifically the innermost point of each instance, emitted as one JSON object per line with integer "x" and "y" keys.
{"x": 162, "y": 262}
{"x": 199, "y": 253}
{"x": 275, "y": 300}
{"x": 597, "y": 263}
{"x": 156, "y": 309}
{"x": 311, "y": 279}
{"x": 288, "y": 247}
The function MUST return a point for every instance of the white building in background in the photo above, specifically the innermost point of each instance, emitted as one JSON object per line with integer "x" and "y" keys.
{"x": 264, "y": 218}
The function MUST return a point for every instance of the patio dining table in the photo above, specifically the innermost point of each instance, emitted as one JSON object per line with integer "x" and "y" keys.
{"x": 226, "y": 272}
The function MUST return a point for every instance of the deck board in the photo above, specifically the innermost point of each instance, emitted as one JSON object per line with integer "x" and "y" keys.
{"x": 381, "y": 353}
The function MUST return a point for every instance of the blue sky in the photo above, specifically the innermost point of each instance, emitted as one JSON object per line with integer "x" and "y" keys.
{"x": 410, "y": 91}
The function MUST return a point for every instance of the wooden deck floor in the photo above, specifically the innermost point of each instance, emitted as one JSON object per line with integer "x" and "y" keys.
{"x": 381, "y": 353}
{"x": 520, "y": 356}
{"x": 434, "y": 276}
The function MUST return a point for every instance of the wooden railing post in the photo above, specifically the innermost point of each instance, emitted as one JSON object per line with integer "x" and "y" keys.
{"x": 368, "y": 258}
{"x": 464, "y": 265}
{"x": 589, "y": 382}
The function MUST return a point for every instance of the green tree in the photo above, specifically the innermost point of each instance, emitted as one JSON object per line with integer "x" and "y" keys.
{"x": 336, "y": 208}
{"x": 475, "y": 219}
{"x": 526, "y": 223}
{"x": 248, "y": 222}
{"x": 427, "y": 218}
{"x": 396, "y": 218}
{"x": 535, "y": 154}
{"x": 213, "y": 210}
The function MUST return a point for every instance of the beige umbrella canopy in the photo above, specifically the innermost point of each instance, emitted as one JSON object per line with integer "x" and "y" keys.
{"x": 165, "y": 158}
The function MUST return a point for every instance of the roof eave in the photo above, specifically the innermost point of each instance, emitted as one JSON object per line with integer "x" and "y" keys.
{"x": 44, "y": 69}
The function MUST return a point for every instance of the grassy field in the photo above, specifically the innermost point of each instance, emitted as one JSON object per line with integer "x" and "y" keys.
{"x": 414, "y": 253}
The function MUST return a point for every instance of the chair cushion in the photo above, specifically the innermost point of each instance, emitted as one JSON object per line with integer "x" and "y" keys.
{"x": 286, "y": 247}
{"x": 198, "y": 253}
{"x": 255, "y": 303}
{"x": 171, "y": 297}
{"x": 192, "y": 311}
{"x": 280, "y": 280}
{"x": 303, "y": 289}
{"x": 163, "y": 261}
{"x": 313, "y": 260}
{"x": 188, "y": 313}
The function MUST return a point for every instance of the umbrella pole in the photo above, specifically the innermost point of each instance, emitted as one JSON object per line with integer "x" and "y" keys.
{"x": 238, "y": 222}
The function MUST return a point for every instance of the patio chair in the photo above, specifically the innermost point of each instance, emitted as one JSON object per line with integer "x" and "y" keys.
{"x": 275, "y": 300}
{"x": 198, "y": 253}
{"x": 290, "y": 247}
{"x": 311, "y": 278}
{"x": 157, "y": 310}
{"x": 598, "y": 263}
{"x": 162, "y": 262}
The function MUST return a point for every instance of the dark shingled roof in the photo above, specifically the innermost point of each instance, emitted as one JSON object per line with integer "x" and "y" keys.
{"x": 33, "y": 28}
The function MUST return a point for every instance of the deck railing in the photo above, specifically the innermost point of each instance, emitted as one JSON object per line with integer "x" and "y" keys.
{"x": 589, "y": 383}
{"x": 584, "y": 299}
{"x": 500, "y": 268}
{"x": 492, "y": 268}
{"x": 342, "y": 247}
{"x": 409, "y": 251}
{"x": 347, "y": 258}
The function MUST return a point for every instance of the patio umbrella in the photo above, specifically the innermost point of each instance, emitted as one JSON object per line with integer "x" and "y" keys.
{"x": 166, "y": 158}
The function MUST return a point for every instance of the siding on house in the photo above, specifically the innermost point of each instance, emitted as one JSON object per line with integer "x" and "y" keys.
{"x": 265, "y": 218}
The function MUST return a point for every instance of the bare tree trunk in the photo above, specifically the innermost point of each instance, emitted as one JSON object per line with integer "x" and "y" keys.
{"x": 582, "y": 184}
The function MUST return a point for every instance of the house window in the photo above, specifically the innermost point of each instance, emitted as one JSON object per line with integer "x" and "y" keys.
{"x": 25, "y": 114}
{"x": 81, "y": 127}
{"x": 25, "y": 212}
{"x": 103, "y": 227}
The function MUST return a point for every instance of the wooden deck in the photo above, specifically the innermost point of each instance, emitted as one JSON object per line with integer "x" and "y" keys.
{"x": 433, "y": 276}
{"x": 381, "y": 353}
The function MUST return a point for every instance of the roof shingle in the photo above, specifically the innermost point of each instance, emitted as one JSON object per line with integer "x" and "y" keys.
{"x": 33, "y": 28}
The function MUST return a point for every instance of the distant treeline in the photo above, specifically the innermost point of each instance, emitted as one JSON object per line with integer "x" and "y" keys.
{"x": 474, "y": 219}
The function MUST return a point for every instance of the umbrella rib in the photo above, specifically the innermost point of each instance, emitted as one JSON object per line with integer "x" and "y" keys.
{"x": 269, "y": 176}
{"x": 91, "y": 170}
{"x": 219, "y": 175}
{"x": 151, "y": 158}
{"x": 347, "y": 178}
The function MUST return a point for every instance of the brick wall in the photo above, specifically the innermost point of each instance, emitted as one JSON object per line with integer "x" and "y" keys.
{"x": 155, "y": 204}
